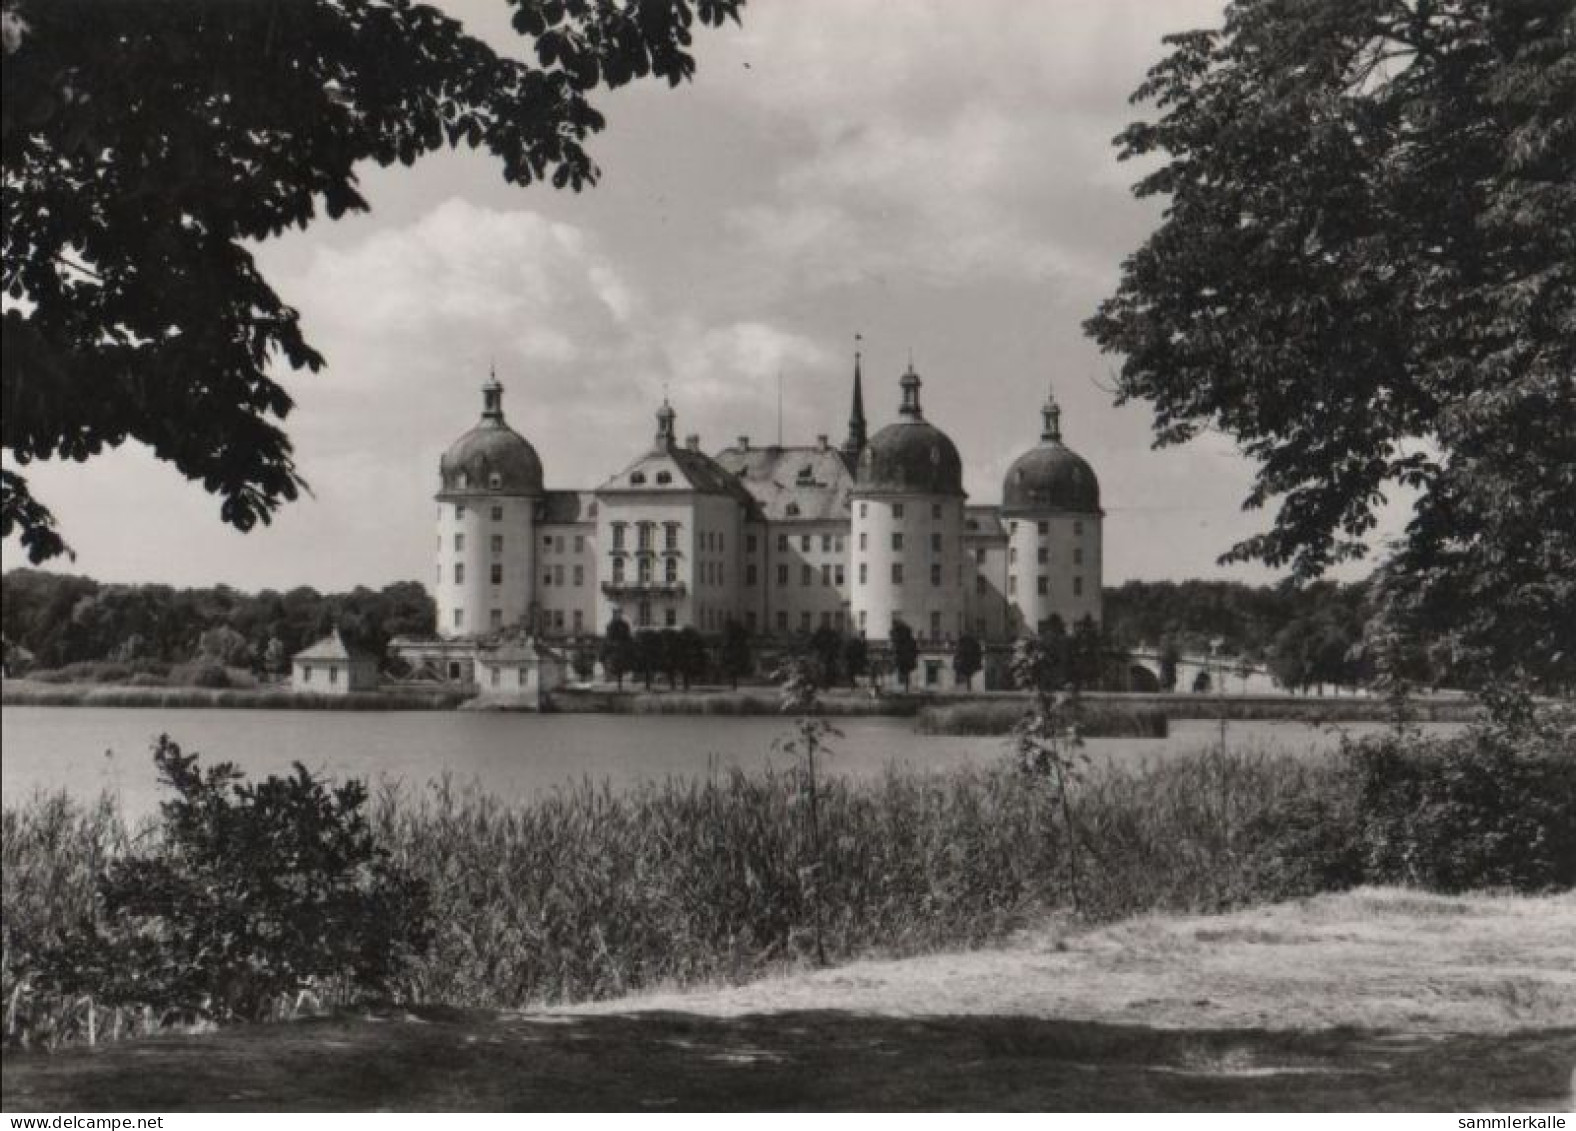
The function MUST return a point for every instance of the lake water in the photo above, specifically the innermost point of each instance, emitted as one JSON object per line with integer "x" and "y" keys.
{"x": 89, "y": 750}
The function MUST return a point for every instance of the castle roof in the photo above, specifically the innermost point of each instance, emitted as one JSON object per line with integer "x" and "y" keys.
{"x": 792, "y": 484}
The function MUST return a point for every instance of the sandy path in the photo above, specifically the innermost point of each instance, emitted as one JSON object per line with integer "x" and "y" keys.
{"x": 1375, "y": 959}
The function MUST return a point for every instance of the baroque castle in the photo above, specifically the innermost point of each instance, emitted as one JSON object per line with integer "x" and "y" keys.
{"x": 782, "y": 540}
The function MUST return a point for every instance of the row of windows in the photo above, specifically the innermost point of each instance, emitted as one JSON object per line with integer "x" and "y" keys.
{"x": 1042, "y": 585}
{"x": 459, "y": 543}
{"x": 645, "y": 536}
{"x": 555, "y": 575}
{"x": 1042, "y": 555}
{"x": 898, "y": 510}
{"x": 555, "y": 543}
{"x": 830, "y": 573}
{"x": 830, "y": 543}
{"x": 1043, "y": 528}
{"x": 555, "y": 619}
{"x": 459, "y": 510}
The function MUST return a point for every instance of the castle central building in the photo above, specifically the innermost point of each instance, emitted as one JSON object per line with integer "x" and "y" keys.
{"x": 782, "y": 540}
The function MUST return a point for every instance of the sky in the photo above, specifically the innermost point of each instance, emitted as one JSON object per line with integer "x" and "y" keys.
{"x": 935, "y": 176}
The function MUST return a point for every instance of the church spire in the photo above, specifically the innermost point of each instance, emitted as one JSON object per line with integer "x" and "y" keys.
{"x": 854, "y": 446}
{"x": 665, "y": 419}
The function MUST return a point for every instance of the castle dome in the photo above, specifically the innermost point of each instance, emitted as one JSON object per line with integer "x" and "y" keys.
{"x": 1050, "y": 475}
{"x": 491, "y": 457}
{"x": 911, "y": 456}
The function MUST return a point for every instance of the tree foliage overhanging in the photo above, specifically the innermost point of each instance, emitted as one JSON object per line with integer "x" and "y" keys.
{"x": 1366, "y": 275}
{"x": 147, "y": 143}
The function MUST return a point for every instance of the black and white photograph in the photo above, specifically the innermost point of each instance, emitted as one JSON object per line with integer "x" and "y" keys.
{"x": 688, "y": 556}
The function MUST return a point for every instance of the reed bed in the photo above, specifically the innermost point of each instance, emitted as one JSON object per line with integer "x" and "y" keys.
{"x": 999, "y": 715}
{"x": 24, "y": 693}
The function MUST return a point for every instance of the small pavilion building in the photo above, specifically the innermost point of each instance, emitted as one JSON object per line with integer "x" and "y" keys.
{"x": 332, "y": 667}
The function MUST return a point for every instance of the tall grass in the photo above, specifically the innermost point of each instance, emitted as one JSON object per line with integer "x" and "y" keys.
{"x": 591, "y": 892}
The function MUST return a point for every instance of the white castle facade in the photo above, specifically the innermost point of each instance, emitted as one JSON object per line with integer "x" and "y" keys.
{"x": 783, "y": 540}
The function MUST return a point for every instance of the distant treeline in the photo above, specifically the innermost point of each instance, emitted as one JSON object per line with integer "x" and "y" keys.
{"x": 52, "y": 620}
{"x": 1306, "y": 636}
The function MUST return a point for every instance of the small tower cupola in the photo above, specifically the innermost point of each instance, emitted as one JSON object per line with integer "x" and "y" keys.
{"x": 665, "y": 425}
{"x": 1051, "y": 414}
{"x": 492, "y": 398}
{"x": 910, "y": 406}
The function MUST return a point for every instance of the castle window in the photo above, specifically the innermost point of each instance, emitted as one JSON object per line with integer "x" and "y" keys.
{"x": 618, "y": 535}
{"x": 459, "y": 543}
{"x": 664, "y": 478}
{"x": 935, "y": 541}
{"x": 826, "y": 573}
{"x": 671, "y": 572}
{"x": 837, "y": 574}
{"x": 897, "y": 510}
{"x": 750, "y": 575}
{"x": 459, "y": 618}
{"x": 861, "y": 620}
{"x": 826, "y": 543}
{"x": 804, "y": 543}
{"x": 306, "y": 673}
{"x": 580, "y": 621}
{"x": 671, "y": 536}
{"x": 864, "y": 540}
{"x": 637, "y": 479}
{"x": 1044, "y": 584}
{"x": 1012, "y": 583}
{"x": 935, "y": 573}
{"x": 459, "y": 573}
{"x": 580, "y": 575}
{"x": 643, "y": 614}
{"x": 464, "y": 480}
{"x": 670, "y": 617}
{"x": 864, "y": 509}
{"x": 897, "y": 573}
{"x": 497, "y": 514}
{"x": 1078, "y": 527}
{"x": 839, "y": 544}
{"x": 558, "y": 575}
{"x": 782, "y": 543}
{"x": 644, "y": 568}
{"x": 806, "y": 575}
{"x": 980, "y": 586}
{"x": 496, "y": 620}
{"x": 1077, "y": 555}
{"x": 897, "y": 539}
{"x": 935, "y": 626}
{"x": 935, "y": 510}
{"x": 804, "y": 622}
{"x": 580, "y": 543}
{"x": 497, "y": 543}
{"x": 1044, "y": 554}
{"x": 864, "y": 573}
{"x": 547, "y": 577}
{"x": 645, "y": 535}
{"x": 1077, "y": 587}
{"x": 618, "y": 571}
{"x": 1012, "y": 555}
{"x": 979, "y": 555}
{"x": 782, "y": 620}
{"x": 782, "y": 575}
{"x": 497, "y": 573}
{"x": 749, "y": 543}
{"x": 495, "y": 481}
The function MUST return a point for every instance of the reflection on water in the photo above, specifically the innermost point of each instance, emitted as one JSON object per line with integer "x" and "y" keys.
{"x": 90, "y": 750}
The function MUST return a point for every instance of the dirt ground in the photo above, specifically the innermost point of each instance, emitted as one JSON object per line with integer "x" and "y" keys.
{"x": 1368, "y": 1000}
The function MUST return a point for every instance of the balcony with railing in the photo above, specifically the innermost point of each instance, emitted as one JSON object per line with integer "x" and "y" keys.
{"x": 638, "y": 589}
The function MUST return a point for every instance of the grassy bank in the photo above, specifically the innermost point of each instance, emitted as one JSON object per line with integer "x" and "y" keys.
{"x": 591, "y": 893}
{"x": 27, "y": 693}
{"x": 762, "y": 700}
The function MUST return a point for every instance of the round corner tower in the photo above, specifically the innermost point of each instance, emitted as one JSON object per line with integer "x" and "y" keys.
{"x": 490, "y": 481}
{"x": 1051, "y": 508}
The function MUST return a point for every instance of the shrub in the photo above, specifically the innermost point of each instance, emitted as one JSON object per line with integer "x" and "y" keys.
{"x": 1492, "y": 807}
{"x": 252, "y": 894}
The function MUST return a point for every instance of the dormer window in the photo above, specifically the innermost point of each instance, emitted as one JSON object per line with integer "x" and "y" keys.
{"x": 664, "y": 477}
{"x": 637, "y": 479}
{"x": 793, "y": 510}
{"x": 495, "y": 481}
{"x": 806, "y": 473}
{"x": 464, "y": 480}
